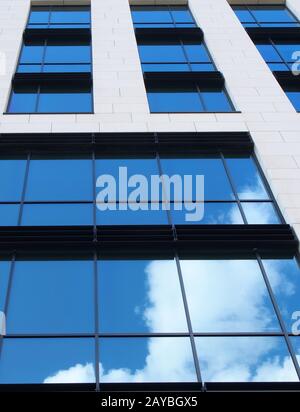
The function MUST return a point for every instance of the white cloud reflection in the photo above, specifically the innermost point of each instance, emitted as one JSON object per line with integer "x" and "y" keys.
{"x": 236, "y": 301}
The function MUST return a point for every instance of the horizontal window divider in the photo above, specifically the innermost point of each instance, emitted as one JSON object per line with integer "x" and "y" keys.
{"x": 279, "y": 33}
{"x": 161, "y": 387}
{"x": 190, "y": 238}
{"x": 126, "y": 144}
{"x": 287, "y": 79}
{"x": 64, "y": 78}
{"x": 59, "y": 34}
{"x": 165, "y": 33}
{"x": 129, "y": 335}
{"x": 211, "y": 79}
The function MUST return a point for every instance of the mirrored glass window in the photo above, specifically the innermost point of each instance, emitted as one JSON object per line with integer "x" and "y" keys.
{"x": 146, "y": 360}
{"x": 152, "y": 302}
{"x": 42, "y": 360}
{"x": 245, "y": 359}
{"x": 51, "y": 297}
{"x": 227, "y": 296}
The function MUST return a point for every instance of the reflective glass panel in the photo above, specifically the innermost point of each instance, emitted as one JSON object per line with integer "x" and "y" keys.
{"x": 216, "y": 101}
{"x": 214, "y": 214}
{"x": 165, "y": 53}
{"x": 272, "y": 14}
{"x": 60, "y": 179}
{"x": 245, "y": 359}
{"x": 53, "y": 360}
{"x": 23, "y": 99}
{"x": 246, "y": 178}
{"x": 284, "y": 276}
{"x": 176, "y": 100}
{"x": 65, "y": 99}
{"x": 227, "y": 296}
{"x": 12, "y": 173}
{"x": 9, "y": 215}
{"x": 262, "y": 213}
{"x": 51, "y": 297}
{"x": 152, "y": 302}
{"x": 146, "y": 360}
{"x": 57, "y": 214}
{"x": 4, "y": 276}
{"x": 124, "y": 172}
{"x": 216, "y": 184}
{"x": 134, "y": 215}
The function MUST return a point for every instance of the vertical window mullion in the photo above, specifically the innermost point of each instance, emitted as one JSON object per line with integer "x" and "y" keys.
{"x": 96, "y": 314}
{"x": 24, "y": 189}
{"x": 278, "y": 314}
{"x": 94, "y": 179}
{"x": 234, "y": 189}
{"x": 186, "y": 55}
{"x": 37, "y": 99}
{"x": 200, "y": 97}
{"x": 189, "y": 322}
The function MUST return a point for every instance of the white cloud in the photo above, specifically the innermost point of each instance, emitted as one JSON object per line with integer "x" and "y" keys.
{"x": 222, "y": 296}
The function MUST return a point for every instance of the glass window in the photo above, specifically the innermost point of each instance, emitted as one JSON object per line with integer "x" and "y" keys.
{"x": 207, "y": 214}
{"x": 123, "y": 170}
{"x": 268, "y": 52}
{"x": 162, "y": 16}
{"x": 246, "y": 178}
{"x": 216, "y": 101}
{"x": 152, "y": 302}
{"x": 4, "y": 278}
{"x": 39, "y": 15}
{"x": 54, "y": 99}
{"x": 9, "y": 214}
{"x": 51, "y": 297}
{"x": 166, "y": 53}
{"x": 184, "y": 99}
{"x": 262, "y": 213}
{"x": 34, "y": 360}
{"x": 60, "y": 214}
{"x": 60, "y": 179}
{"x": 70, "y": 15}
{"x": 272, "y": 14}
{"x": 245, "y": 359}
{"x": 294, "y": 96}
{"x": 134, "y": 215}
{"x": 287, "y": 49}
{"x": 67, "y": 52}
{"x": 215, "y": 306}
{"x": 59, "y": 17}
{"x": 23, "y": 99}
{"x": 243, "y": 14}
{"x": 216, "y": 184}
{"x": 12, "y": 173}
{"x": 32, "y": 52}
{"x": 296, "y": 344}
{"x": 284, "y": 276}
{"x": 146, "y": 360}
{"x": 187, "y": 99}
{"x": 65, "y": 99}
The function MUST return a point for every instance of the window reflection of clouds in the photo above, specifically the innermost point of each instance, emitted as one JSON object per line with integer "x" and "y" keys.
{"x": 222, "y": 359}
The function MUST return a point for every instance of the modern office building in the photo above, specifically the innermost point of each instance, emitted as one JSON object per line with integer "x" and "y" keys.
{"x": 104, "y": 287}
